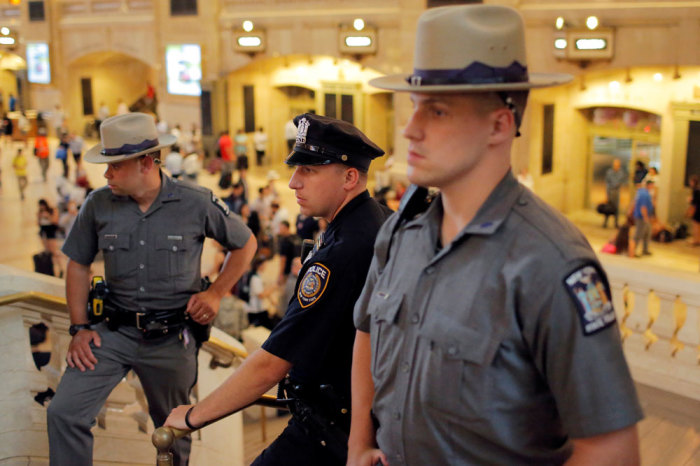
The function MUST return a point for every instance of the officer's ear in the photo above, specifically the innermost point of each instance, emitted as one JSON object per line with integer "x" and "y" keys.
{"x": 351, "y": 177}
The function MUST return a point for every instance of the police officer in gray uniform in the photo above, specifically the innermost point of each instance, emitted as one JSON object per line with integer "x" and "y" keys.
{"x": 151, "y": 230}
{"x": 486, "y": 333}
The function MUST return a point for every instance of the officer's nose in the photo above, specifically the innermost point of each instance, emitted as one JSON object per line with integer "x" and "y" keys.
{"x": 108, "y": 171}
{"x": 412, "y": 130}
{"x": 294, "y": 182}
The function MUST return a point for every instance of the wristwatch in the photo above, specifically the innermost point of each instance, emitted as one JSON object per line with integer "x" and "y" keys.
{"x": 73, "y": 329}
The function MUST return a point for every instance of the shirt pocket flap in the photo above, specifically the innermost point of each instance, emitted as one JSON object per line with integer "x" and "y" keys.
{"x": 172, "y": 243}
{"x": 459, "y": 342}
{"x": 385, "y": 306}
{"x": 113, "y": 242}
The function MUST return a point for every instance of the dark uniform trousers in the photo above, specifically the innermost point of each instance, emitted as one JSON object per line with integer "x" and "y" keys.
{"x": 167, "y": 371}
{"x": 294, "y": 447}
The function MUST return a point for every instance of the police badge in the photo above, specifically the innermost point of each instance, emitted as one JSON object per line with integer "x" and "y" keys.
{"x": 302, "y": 129}
{"x": 313, "y": 284}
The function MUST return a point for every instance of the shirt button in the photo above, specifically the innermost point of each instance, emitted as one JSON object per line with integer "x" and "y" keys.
{"x": 174, "y": 248}
{"x": 399, "y": 458}
{"x": 430, "y": 270}
{"x": 141, "y": 266}
{"x": 415, "y": 318}
{"x": 142, "y": 242}
{"x": 142, "y": 289}
{"x": 452, "y": 350}
{"x": 405, "y": 366}
{"x": 397, "y": 416}
{"x": 111, "y": 248}
{"x": 143, "y": 219}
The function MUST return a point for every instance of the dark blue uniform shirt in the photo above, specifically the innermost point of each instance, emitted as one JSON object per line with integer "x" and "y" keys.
{"x": 317, "y": 332}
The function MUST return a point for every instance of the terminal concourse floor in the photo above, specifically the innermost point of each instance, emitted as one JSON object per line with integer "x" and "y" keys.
{"x": 670, "y": 435}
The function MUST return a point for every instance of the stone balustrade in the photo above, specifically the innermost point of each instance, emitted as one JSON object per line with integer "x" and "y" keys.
{"x": 659, "y": 314}
{"x": 123, "y": 428}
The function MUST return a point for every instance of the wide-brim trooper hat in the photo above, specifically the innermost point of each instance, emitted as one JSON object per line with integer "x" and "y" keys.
{"x": 470, "y": 48}
{"x": 323, "y": 140}
{"x": 127, "y": 136}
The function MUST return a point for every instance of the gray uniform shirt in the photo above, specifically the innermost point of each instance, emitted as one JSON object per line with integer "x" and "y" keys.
{"x": 152, "y": 259}
{"x": 499, "y": 347}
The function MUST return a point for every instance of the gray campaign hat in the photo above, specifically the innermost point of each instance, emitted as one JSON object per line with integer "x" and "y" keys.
{"x": 127, "y": 136}
{"x": 323, "y": 140}
{"x": 470, "y": 48}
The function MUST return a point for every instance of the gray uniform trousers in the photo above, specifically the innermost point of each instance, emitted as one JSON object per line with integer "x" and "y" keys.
{"x": 167, "y": 371}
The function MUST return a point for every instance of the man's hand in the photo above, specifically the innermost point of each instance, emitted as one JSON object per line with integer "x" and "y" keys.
{"x": 203, "y": 307}
{"x": 79, "y": 352}
{"x": 176, "y": 418}
{"x": 370, "y": 457}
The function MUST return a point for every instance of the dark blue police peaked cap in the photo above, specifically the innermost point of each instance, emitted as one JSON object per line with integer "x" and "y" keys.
{"x": 322, "y": 140}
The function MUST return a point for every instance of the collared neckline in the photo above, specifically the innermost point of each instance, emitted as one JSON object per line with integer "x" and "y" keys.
{"x": 344, "y": 212}
{"x": 492, "y": 213}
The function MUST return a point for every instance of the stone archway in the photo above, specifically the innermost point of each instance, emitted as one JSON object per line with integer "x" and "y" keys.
{"x": 110, "y": 76}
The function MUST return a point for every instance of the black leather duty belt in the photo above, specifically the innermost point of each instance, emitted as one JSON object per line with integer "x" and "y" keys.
{"x": 152, "y": 323}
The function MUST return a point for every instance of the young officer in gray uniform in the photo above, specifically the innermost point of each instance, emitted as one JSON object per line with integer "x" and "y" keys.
{"x": 314, "y": 339}
{"x": 486, "y": 334}
{"x": 151, "y": 230}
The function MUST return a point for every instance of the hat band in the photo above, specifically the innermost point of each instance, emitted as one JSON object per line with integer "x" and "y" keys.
{"x": 127, "y": 149}
{"x": 317, "y": 149}
{"x": 476, "y": 73}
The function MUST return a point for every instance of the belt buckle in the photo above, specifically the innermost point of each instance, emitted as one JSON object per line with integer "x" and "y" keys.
{"x": 138, "y": 320}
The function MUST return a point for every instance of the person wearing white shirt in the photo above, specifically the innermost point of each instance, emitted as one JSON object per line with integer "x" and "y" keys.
{"x": 174, "y": 162}
{"x": 260, "y": 143}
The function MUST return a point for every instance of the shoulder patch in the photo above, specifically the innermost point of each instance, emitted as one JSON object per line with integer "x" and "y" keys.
{"x": 313, "y": 284}
{"x": 590, "y": 292}
{"x": 220, "y": 204}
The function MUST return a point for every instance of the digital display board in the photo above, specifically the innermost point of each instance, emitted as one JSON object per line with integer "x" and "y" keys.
{"x": 38, "y": 66}
{"x": 184, "y": 69}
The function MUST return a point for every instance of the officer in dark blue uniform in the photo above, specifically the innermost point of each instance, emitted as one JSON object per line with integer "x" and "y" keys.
{"x": 313, "y": 343}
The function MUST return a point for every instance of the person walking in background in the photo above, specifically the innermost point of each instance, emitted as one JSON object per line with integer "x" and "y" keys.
{"x": 640, "y": 172}
{"x": 694, "y": 209}
{"x": 102, "y": 115}
{"x": 7, "y": 129}
{"x": 615, "y": 179}
{"x": 643, "y": 211}
{"x": 62, "y": 153}
{"x": 47, "y": 219}
{"x": 241, "y": 150}
{"x": 260, "y": 143}
{"x": 41, "y": 151}
{"x": 76, "y": 147}
{"x": 19, "y": 164}
{"x": 290, "y": 134}
{"x": 12, "y": 102}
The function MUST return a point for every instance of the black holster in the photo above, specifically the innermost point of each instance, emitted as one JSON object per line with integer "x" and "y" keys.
{"x": 324, "y": 415}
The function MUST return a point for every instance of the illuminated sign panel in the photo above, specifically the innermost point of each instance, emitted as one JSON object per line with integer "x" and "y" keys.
{"x": 184, "y": 69}
{"x": 38, "y": 65}
{"x": 590, "y": 45}
{"x": 358, "y": 42}
{"x": 249, "y": 42}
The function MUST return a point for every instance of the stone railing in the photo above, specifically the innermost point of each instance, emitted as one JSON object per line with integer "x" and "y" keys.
{"x": 123, "y": 430}
{"x": 659, "y": 314}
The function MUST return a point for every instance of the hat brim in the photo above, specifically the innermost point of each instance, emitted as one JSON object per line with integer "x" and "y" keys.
{"x": 94, "y": 154}
{"x": 300, "y": 157}
{"x": 399, "y": 83}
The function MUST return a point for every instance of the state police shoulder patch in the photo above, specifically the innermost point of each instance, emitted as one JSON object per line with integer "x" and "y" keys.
{"x": 313, "y": 284}
{"x": 220, "y": 204}
{"x": 589, "y": 289}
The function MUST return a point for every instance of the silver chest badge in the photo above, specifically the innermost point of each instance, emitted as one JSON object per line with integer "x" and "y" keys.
{"x": 302, "y": 129}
